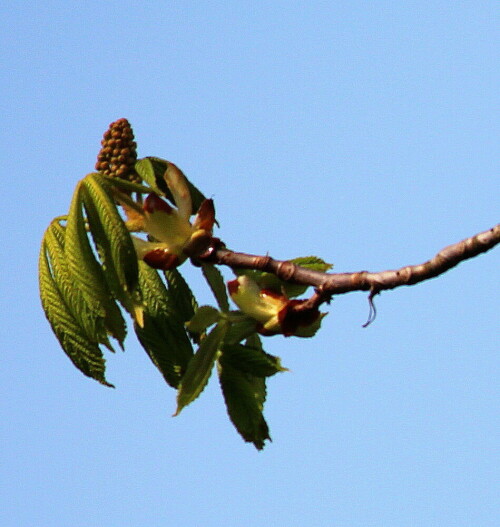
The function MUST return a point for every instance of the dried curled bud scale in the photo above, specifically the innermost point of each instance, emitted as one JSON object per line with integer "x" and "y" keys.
{"x": 118, "y": 154}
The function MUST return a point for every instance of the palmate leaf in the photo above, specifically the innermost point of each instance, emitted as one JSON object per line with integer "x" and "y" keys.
{"x": 162, "y": 335}
{"x": 152, "y": 169}
{"x": 85, "y": 354}
{"x": 216, "y": 282}
{"x": 200, "y": 367}
{"x": 244, "y": 395}
{"x": 86, "y": 271}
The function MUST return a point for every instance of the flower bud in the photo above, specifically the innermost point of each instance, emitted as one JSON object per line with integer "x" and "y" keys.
{"x": 274, "y": 312}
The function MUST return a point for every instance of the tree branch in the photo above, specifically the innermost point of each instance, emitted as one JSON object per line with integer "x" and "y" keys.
{"x": 328, "y": 284}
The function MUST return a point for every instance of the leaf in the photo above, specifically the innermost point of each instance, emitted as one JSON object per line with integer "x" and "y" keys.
{"x": 144, "y": 167}
{"x": 86, "y": 271}
{"x": 240, "y": 329}
{"x": 84, "y": 354}
{"x": 244, "y": 396}
{"x": 216, "y": 282}
{"x": 180, "y": 295}
{"x": 151, "y": 169}
{"x": 252, "y": 360}
{"x": 92, "y": 325}
{"x": 204, "y": 317}
{"x": 126, "y": 186}
{"x": 162, "y": 335}
{"x": 110, "y": 230}
{"x": 200, "y": 367}
{"x": 267, "y": 280}
{"x": 312, "y": 262}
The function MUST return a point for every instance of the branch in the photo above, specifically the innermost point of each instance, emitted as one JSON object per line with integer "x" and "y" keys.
{"x": 328, "y": 284}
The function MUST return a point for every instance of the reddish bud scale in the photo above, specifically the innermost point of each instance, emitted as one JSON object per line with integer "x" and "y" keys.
{"x": 153, "y": 203}
{"x": 161, "y": 259}
{"x": 232, "y": 287}
{"x": 290, "y": 319}
{"x": 206, "y": 215}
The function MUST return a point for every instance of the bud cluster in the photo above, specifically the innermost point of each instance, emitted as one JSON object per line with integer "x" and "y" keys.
{"x": 118, "y": 154}
{"x": 176, "y": 238}
{"x": 274, "y": 312}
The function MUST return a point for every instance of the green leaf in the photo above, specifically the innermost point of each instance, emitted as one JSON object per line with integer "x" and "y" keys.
{"x": 312, "y": 262}
{"x": 267, "y": 280}
{"x": 252, "y": 360}
{"x": 200, "y": 367}
{"x": 204, "y": 317}
{"x": 110, "y": 233}
{"x": 145, "y": 169}
{"x": 152, "y": 169}
{"x": 92, "y": 325}
{"x": 162, "y": 335}
{"x": 84, "y": 354}
{"x": 86, "y": 271}
{"x": 180, "y": 295}
{"x": 242, "y": 328}
{"x": 216, "y": 282}
{"x": 126, "y": 186}
{"x": 244, "y": 396}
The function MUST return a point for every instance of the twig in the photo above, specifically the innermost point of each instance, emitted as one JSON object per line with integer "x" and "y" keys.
{"x": 328, "y": 284}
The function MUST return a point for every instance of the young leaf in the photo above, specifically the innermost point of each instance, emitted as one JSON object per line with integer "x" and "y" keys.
{"x": 84, "y": 354}
{"x": 162, "y": 335}
{"x": 167, "y": 345}
{"x": 240, "y": 329}
{"x": 180, "y": 295}
{"x": 86, "y": 271}
{"x": 216, "y": 282}
{"x": 244, "y": 396}
{"x": 200, "y": 367}
{"x": 270, "y": 281}
{"x": 152, "y": 169}
{"x": 312, "y": 262}
{"x": 92, "y": 325}
{"x": 252, "y": 360}
{"x": 126, "y": 186}
{"x": 204, "y": 317}
{"x": 144, "y": 167}
{"x": 111, "y": 234}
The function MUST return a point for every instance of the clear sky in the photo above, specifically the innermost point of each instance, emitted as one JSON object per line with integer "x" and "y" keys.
{"x": 362, "y": 132}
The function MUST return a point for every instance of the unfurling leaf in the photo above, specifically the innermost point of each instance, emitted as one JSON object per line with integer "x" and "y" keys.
{"x": 267, "y": 280}
{"x": 200, "y": 367}
{"x": 162, "y": 335}
{"x": 152, "y": 170}
{"x": 86, "y": 271}
{"x": 84, "y": 353}
{"x": 109, "y": 231}
{"x": 114, "y": 244}
{"x": 244, "y": 395}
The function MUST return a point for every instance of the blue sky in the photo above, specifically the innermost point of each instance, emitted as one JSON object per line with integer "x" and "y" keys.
{"x": 362, "y": 132}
